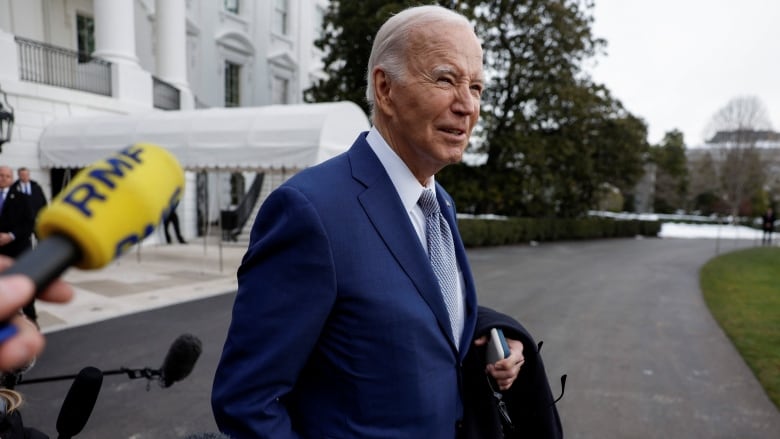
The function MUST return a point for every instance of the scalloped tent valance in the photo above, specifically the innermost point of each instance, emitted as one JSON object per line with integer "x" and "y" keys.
{"x": 289, "y": 137}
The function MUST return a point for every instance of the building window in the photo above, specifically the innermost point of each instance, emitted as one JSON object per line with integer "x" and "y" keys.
{"x": 232, "y": 85}
{"x": 319, "y": 21}
{"x": 280, "y": 90}
{"x": 237, "y": 188}
{"x": 85, "y": 37}
{"x": 232, "y": 6}
{"x": 281, "y": 9}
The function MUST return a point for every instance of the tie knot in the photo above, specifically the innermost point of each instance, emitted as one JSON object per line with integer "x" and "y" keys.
{"x": 428, "y": 202}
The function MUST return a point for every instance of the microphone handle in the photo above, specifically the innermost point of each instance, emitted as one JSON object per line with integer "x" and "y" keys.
{"x": 50, "y": 258}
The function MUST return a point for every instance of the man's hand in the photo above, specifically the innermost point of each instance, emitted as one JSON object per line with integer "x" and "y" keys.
{"x": 16, "y": 291}
{"x": 5, "y": 238}
{"x": 505, "y": 371}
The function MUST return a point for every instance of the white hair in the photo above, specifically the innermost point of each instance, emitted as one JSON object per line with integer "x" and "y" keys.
{"x": 392, "y": 41}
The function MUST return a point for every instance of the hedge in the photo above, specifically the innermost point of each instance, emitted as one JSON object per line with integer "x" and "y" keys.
{"x": 477, "y": 232}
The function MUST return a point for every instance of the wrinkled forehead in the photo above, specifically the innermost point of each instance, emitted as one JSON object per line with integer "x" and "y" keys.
{"x": 447, "y": 42}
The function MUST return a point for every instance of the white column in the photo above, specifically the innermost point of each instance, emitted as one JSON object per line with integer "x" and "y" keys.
{"x": 9, "y": 53}
{"x": 115, "y": 42}
{"x": 172, "y": 47}
{"x": 172, "y": 41}
{"x": 115, "y": 31}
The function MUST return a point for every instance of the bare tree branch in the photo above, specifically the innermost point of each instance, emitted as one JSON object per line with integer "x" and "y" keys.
{"x": 734, "y": 131}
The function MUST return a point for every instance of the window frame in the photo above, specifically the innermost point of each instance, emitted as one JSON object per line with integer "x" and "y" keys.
{"x": 232, "y": 6}
{"x": 85, "y": 37}
{"x": 281, "y": 17}
{"x": 232, "y": 72}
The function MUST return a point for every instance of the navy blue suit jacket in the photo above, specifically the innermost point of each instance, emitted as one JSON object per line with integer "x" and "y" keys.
{"x": 16, "y": 217}
{"x": 339, "y": 328}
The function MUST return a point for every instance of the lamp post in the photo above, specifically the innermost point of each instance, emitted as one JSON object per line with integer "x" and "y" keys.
{"x": 6, "y": 121}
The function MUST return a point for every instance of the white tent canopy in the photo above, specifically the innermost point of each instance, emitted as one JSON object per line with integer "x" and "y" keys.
{"x": 286, "y": 137}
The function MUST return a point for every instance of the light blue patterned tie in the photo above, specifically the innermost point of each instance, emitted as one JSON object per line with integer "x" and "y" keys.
{"x": 441, "y": 253}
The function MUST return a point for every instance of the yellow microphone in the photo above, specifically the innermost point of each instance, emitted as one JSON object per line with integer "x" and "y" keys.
{"x": 108, "y": 207}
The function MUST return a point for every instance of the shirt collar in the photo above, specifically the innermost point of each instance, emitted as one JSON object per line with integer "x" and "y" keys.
{"x": 404, "y": 181}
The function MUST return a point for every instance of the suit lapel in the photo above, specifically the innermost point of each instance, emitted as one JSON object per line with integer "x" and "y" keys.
{"x": 385, "y": 211}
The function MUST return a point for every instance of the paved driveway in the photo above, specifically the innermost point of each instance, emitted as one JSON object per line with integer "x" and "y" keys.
{"x": 623, "y": 318}
{"x": 626, "y": 321}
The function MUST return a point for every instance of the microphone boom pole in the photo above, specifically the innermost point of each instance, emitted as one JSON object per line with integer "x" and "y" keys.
{"x": 179, "y": 362}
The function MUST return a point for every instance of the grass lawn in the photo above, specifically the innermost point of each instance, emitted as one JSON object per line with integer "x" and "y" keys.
{"x": 742, "y": 290}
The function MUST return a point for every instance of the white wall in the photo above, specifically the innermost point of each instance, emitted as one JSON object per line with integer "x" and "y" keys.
{"x": 213, "y": 36}
{"x": 23, "y": 18}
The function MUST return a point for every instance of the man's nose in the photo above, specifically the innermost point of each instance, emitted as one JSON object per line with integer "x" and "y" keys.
{"x": 465, "y": 101}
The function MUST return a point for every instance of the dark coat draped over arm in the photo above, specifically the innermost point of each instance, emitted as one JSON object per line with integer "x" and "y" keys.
{"x": 529, "y": 401}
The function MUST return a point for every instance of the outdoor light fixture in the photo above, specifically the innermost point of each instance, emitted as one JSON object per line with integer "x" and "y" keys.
{"x": 6, "y": 121}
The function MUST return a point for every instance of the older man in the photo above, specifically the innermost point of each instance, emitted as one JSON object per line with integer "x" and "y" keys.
{"x": 356, "y": 304}
{"x": 16, "y": 224}
{"x": 16, "y": 220}
{"x": 24, "y": 184}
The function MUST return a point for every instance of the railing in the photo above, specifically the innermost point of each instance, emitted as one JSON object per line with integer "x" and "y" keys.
{"x": 233, "y": 220}
{"x": 52, "y": 65}
{"x": 165, "y": 95}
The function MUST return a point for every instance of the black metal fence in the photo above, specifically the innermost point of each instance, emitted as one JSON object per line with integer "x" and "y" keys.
{"x": 165, "y": 95}
{"x": 233, "y": 220}
{"x": 52, "y": 65}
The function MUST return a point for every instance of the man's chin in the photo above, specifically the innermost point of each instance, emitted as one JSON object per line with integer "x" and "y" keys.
{"x": 456, "y": 157}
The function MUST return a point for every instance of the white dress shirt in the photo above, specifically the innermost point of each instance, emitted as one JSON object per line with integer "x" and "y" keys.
{"x": 409, "y": 189}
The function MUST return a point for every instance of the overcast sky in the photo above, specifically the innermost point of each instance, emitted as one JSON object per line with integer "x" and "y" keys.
{"x": 674, "y": 63}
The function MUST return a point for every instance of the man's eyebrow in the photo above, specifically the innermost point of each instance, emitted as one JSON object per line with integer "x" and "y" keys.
{"x": 450, "y": 70}
{"x": 444, "y": 69}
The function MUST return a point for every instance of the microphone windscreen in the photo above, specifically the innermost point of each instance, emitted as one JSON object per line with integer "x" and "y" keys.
{"x": 79, "y": 402}
{"x": 180, "y": 360}
{"x": 114, "y": 203}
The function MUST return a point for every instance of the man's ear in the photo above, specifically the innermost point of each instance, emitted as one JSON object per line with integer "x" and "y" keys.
{"x": 382, "y": 87}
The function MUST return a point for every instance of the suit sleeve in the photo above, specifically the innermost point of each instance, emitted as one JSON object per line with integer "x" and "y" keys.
{"x": 286, "y": 289}
{"x": 23, "y": 224}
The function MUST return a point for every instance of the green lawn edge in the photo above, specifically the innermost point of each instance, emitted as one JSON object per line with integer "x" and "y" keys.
{"x": 742, "y": 291}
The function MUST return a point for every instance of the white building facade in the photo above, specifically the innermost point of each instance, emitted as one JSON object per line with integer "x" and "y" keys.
{"x": 75, "y": 58}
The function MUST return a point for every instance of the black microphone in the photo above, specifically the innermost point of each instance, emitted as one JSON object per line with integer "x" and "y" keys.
{"x": 180, "y": 360}
{"x": 207, "y": 436}
{"x": 79, "y": 402}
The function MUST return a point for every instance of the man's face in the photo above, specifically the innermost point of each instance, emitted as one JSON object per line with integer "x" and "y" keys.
{"x": 6, "y": 177}
{"x": 433, "y": 108}
{"x": 24, "y": 175}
